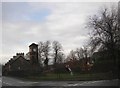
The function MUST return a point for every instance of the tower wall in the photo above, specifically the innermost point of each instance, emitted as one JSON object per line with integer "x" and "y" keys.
{"x": 33, "y": 50}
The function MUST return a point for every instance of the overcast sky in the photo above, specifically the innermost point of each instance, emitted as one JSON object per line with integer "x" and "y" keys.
{"x": 26, "y": 22}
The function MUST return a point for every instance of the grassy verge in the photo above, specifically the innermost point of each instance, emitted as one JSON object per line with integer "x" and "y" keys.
{"x": 68, "y": 77}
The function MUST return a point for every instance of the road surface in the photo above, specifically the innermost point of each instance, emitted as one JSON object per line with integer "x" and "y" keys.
{"x": 8, "y": 81}
{"x": 0, "y": 81}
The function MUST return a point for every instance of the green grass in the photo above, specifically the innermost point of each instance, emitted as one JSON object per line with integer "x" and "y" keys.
{"x": 68, "y": 77}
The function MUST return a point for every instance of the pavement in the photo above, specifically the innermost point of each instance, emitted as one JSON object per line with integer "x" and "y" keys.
{"x": 9, "y": 81}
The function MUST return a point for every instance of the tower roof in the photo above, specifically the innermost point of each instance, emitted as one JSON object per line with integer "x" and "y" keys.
{"x": 33, "y": 44}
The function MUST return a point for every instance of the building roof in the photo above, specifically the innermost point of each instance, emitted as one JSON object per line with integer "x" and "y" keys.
{"x": 12, "y": 60}
{"x": 33, "y": 44}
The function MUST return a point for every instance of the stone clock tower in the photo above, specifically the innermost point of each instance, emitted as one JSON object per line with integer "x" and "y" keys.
{"x": 33, "y": 50}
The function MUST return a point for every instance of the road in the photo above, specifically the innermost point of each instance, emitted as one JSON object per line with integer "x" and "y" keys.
{"x": 8, "y": 81}
{"x": 0, "y": 81}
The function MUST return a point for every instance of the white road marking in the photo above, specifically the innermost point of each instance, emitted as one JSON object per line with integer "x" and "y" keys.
{"x": 28, "y": 82}
{"x": 75, "y": 84}
{"x": 85, "y": 83}
{"x": 90, "y": 82}
{"x": 33, "y": 82}
{"x": 19, "y": 82}
{"x": 7, "y": 83}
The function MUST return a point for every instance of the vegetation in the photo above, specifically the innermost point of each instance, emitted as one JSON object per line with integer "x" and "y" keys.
{"x": 106, "y": 35}
{"x": 68, "y": 77}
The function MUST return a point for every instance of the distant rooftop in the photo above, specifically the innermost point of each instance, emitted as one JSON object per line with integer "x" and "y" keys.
{"x": 33, "y": 44}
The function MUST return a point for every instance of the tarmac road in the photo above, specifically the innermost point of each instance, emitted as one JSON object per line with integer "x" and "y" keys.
{"x": 0, "y": 81}
{"x": 8, "y": 81}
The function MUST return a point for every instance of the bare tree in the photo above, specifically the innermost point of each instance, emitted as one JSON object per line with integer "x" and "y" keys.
{"x": 83, "y": 52}
{"x": 106, "y": 31}
{"x": 46, "y": 49}
{"x": 40, "y": 52}
{"x": 61, "y": 57}
{"x": 43, "y": 52}
{"x": 119, "y": 14}
{"x": 72, "y": 55}
{"x": 79, "y": 53}
{"x": 57, "y": 47}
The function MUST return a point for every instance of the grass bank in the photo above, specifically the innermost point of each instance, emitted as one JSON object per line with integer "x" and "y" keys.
{"x": 68, "y": 77}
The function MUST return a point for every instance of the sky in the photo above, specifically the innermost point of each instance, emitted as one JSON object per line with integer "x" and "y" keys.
{"x": 26, "y": 22}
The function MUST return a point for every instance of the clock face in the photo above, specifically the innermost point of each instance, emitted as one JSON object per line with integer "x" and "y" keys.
{"x": 34, "y": 50}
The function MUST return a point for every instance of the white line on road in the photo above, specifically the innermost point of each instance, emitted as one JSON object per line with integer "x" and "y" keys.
{"x": 84, "y": 83}
{"x": 28, "y": 82}
{"x": 7, "y": 83}
{"x": 76, "y": 84}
